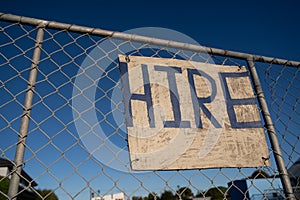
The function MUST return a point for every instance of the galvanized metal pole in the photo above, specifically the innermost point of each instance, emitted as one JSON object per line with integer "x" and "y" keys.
{"x": 20, "y": 150}
{"x": 286, "y": 182}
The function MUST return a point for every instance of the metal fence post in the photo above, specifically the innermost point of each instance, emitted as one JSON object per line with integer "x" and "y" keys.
{"x": 287, "y": 187}
{"x": 20, "y": 150}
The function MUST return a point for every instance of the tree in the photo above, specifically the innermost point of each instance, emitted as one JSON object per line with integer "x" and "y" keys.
{"x": 152, "y": 196}
{"x": 24, "y": 195}
{"x": 200, "y": 194}
{"x": 259, "y": 174}
{"x": 4, "y": 184}
{"x": 216, "y": 193}
{"x": 137, "y": 198}
{"x": 167, "y": 195}
{"x": 185, "y": 193}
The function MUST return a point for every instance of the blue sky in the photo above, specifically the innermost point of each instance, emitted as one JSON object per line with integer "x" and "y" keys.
{"x": 268, "y": 28}
{"x": 261, "y": 27}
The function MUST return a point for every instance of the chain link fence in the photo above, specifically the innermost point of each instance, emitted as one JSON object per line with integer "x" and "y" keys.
{"x": 51, "y": 147}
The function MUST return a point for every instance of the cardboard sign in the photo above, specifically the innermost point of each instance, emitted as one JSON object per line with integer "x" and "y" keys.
{"x": 185, "y": 115}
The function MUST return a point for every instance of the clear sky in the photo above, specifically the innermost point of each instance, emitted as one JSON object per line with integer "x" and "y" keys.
{"x": 262, "y": 27}
{"x": 268, "y": 28}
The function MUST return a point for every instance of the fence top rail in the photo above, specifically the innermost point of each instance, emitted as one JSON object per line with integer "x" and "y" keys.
{"x": 142, "y": 39}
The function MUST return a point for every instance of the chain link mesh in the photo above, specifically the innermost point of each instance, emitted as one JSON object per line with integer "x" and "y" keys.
{"x": 59, "y": 162}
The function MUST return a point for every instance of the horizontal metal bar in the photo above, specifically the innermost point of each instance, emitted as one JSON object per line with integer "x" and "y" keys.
{"x": 142, "y": 39}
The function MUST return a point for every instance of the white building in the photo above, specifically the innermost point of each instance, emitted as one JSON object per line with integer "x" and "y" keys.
{"x": 117, "y": 196}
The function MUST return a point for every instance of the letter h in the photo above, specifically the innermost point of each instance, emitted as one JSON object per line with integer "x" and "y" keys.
{"x": 128, "y": 96}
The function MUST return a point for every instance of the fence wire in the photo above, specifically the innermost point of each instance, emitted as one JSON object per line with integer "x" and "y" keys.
{"x": 66, "y": 158}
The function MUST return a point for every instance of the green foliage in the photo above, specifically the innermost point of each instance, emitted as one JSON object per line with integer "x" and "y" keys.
{"x": 185, "y": 193}
{"x": 200, "y": 194}
{"x": 216, "y": 193}
{"x": 167, "y": 195}
{"x": 46, "y": 194}
{"x": 259, "y": 174}
{"x": 151, "y": 196}
{"x": 138, "y": 198}
{"x": 4, "y": 184}
{"x": 135, "y": 198}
